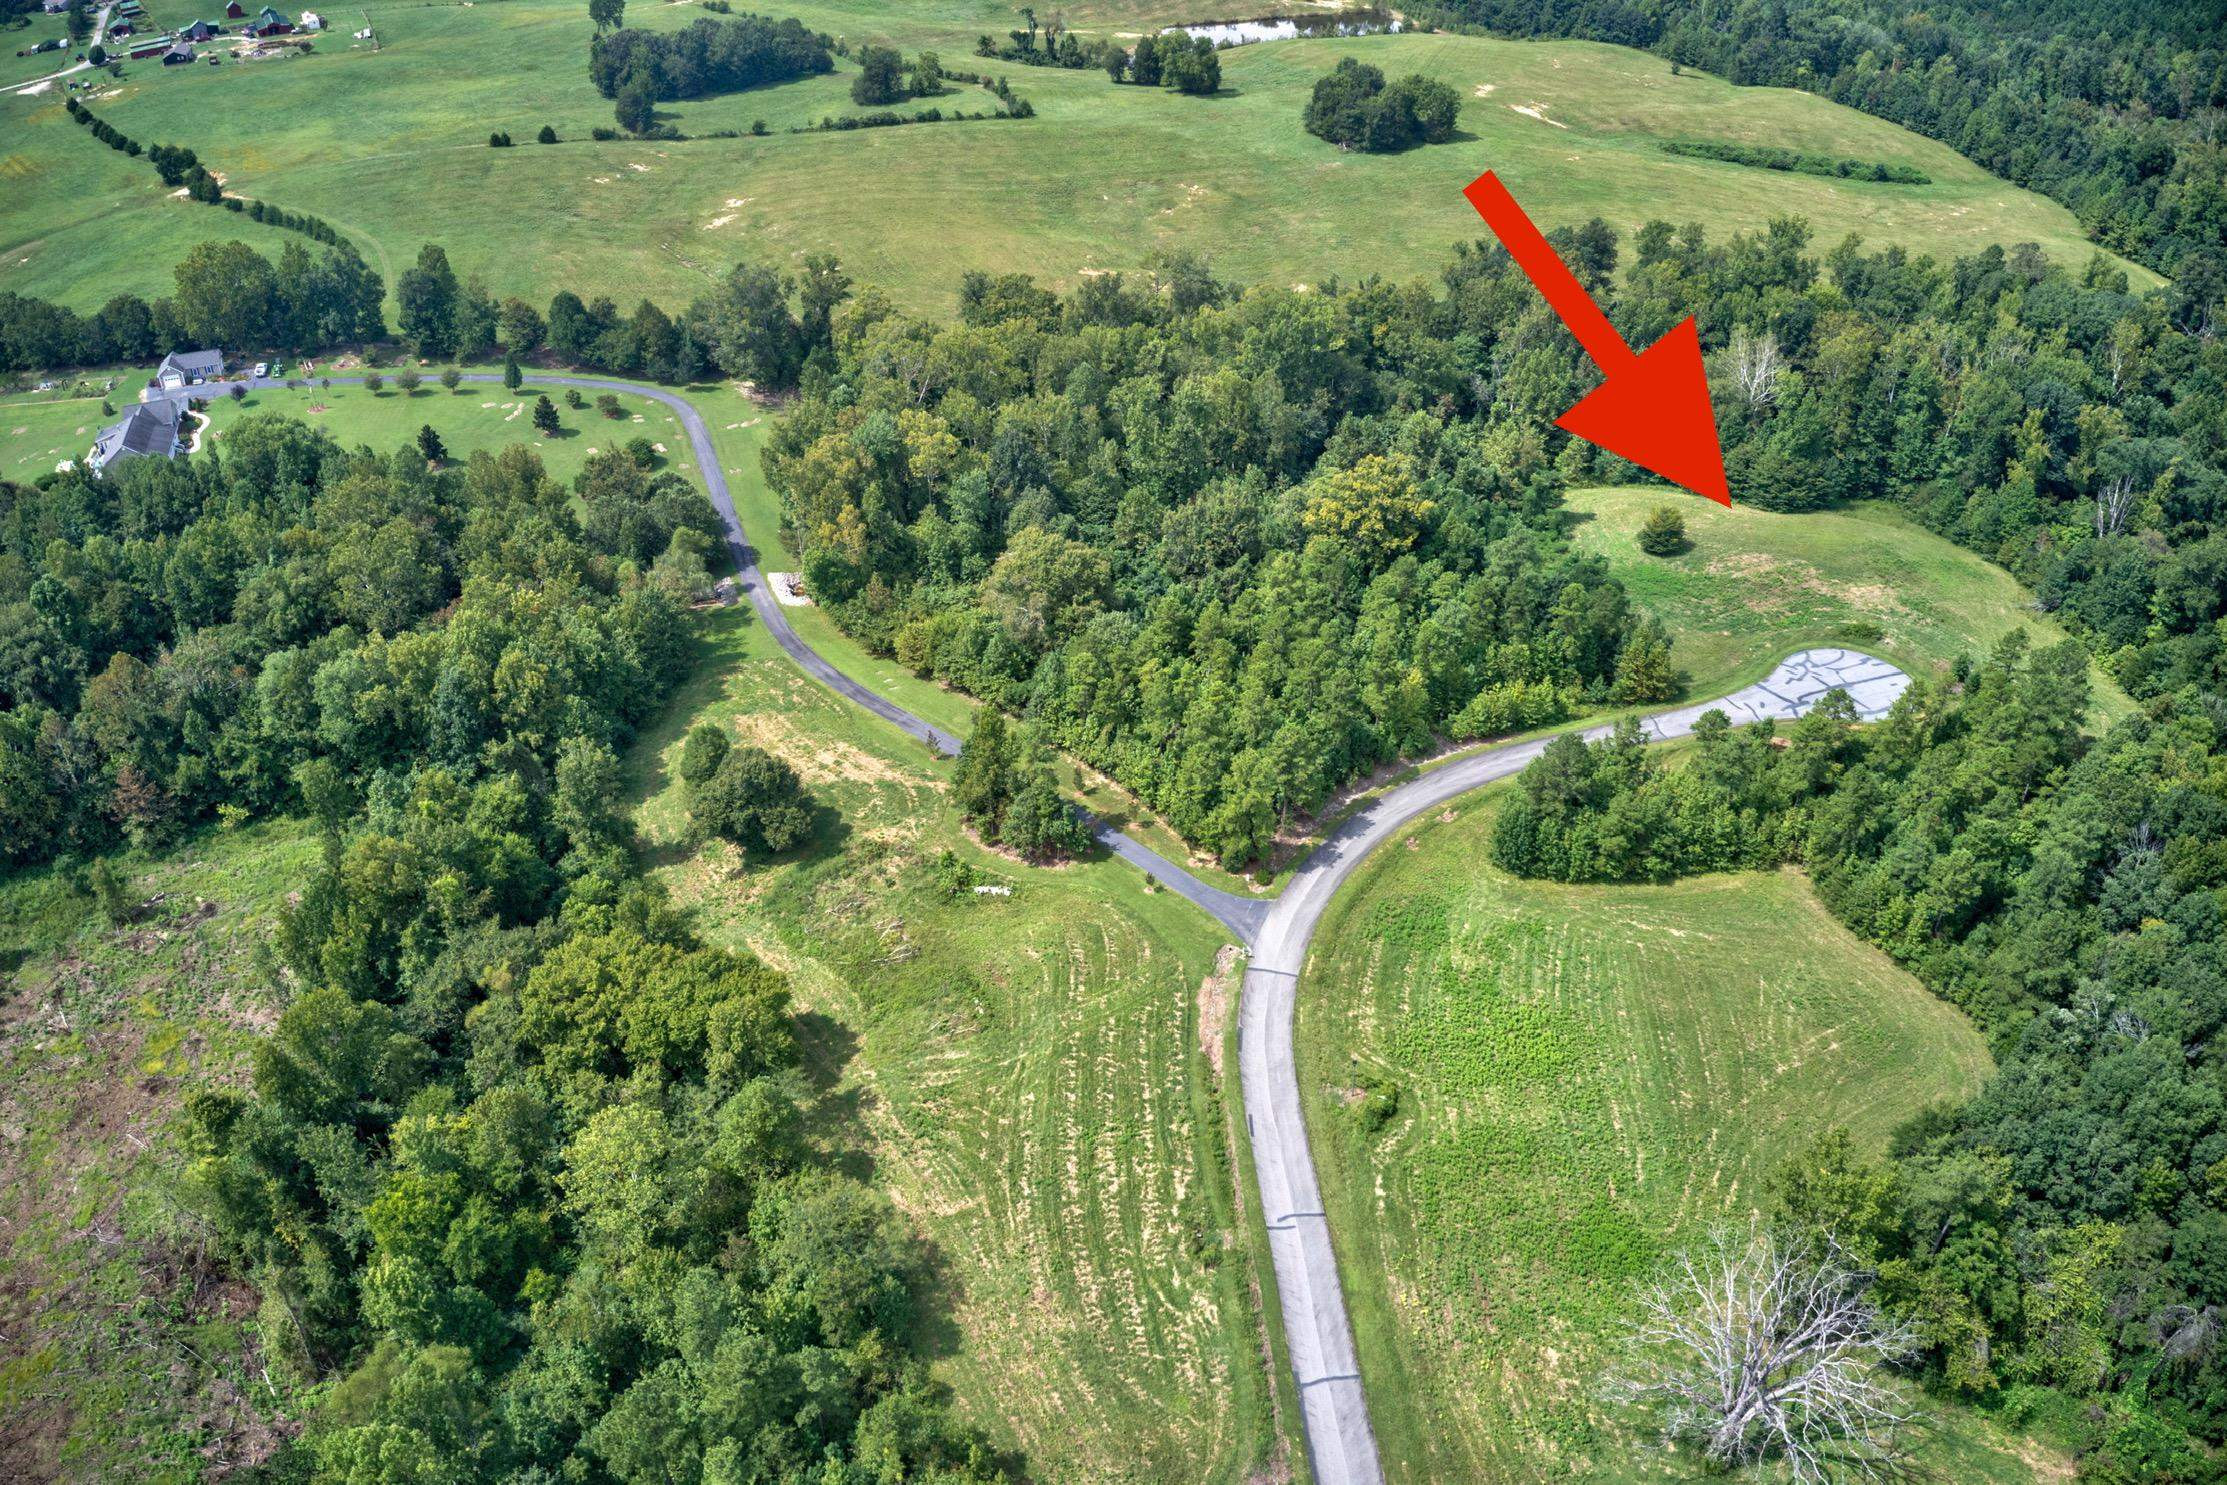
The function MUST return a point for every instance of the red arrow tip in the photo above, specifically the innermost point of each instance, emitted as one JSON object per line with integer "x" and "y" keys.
{"x": 1654, "y": 410}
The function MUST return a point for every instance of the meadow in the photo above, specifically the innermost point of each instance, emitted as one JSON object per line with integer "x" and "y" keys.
{"x": 1581, "y": 1078}
{"x": 1756, "y": 585}
{"x": 390, "y": 146}
{"x": 1034, "y": 1073}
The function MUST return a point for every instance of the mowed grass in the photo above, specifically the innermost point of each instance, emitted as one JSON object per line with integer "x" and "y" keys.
{"x": 1031, "y": 1074}
{"x": 1586, "y": 1076}
{"x": 1756, "y": 585}
{"x": 390, "y": 146}
{"x": 473, "y": 417}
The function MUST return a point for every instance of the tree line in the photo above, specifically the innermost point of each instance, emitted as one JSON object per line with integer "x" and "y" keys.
{"x": 2062, "y": 1230}
{"x": 1776, "y": 157}
{"x": 177, "y": 165}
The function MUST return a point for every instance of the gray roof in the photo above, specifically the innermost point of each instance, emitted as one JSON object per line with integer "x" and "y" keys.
{"x": 191, "y": 364}
{"x": 149, "y": 428}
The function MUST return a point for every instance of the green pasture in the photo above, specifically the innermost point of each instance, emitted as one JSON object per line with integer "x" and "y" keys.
{"x": 390, "y": 146}
{"x": 1032, "y": 1074}
{"x": 1585, "y": 1076}
{"x": 1756, "y": 585}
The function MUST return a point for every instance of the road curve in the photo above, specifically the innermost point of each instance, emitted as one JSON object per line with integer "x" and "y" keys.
{"x": 1340, "y": 1441}
{"x": 1341, "y": 1444}
{"x": 1241, "y": 915}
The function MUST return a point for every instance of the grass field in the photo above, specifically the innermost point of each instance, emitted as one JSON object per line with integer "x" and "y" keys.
{"x": 1585, "y": 1076}
{"x": 1034, "y": 1077}
{"x": 1756, "y": 585}
{"x": 390, "y": 145}
{"x": 121, "y": 1359}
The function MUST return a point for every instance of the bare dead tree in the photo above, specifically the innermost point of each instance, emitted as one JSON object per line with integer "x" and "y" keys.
{"x": 1761, "y": 1346}
{"x": 2114, "y": 503}
{"x": 1756, "y": 364}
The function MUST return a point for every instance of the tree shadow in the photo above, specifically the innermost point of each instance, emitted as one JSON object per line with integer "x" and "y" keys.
{"x": 832, "y": 1117}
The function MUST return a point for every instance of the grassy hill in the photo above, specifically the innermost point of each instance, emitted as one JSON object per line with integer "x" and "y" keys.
{"x": 1585, "y": 1075}
{"x": 1756, "y": 585}
{"x": 390, "y": 145}
{"x": 1034, "y": 1074}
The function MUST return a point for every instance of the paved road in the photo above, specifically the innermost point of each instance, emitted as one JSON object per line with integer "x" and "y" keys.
{"x": 1340, "y": 1442}
{"x": 1241, "y": 915}
{"x": 1339, "y": 1438}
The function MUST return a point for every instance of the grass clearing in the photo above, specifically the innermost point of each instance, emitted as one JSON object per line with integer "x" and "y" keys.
{"x": 122, "y": 1356}
{"x": 390, "y": 146}
{"x": 1756, "y": 585}
{"x": 1024, "y": 1073}
{"x": 1586, "y": 1075}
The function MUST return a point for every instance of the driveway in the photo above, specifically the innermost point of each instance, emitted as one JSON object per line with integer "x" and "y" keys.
{"x": 1333, "y": 1405}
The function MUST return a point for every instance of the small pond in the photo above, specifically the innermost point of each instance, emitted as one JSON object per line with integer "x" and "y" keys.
{"x": 1286, "y": 28}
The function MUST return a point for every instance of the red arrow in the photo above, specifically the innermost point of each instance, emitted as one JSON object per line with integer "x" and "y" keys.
{"x": 1652, "y": 408}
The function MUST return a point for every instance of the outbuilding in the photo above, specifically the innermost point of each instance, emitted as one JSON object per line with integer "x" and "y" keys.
{"x": 198, "y": 31}
{"x": 179, "y": 53}
{"x": 182, "y": 369}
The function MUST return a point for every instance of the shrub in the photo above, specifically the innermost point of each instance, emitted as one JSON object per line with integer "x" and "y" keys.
{"x": 373, "y": 382}
{"x": 754, "y": 800}
{"x": 573, "y": 399}
{"x": 548, "y": 135}
{"x": 408, "y": 381}
{"x": 1663, "y": 534}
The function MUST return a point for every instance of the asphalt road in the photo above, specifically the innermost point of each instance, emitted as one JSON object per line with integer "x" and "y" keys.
{"x": 1339, "y": 1439}
{"x": 1334, "y": 1408}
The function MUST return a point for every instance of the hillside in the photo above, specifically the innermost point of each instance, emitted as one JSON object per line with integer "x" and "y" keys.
{"x": 1571, "y": 1081}
{"x": 390, "y": 145}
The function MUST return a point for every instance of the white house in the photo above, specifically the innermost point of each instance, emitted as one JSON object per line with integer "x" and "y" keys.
{"x": 312, "y": 21}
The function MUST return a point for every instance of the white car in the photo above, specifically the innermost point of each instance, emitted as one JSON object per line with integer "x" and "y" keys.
{"x": 261, "y": 369}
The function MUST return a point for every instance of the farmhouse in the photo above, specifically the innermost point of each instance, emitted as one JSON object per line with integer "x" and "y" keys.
{"x": 179, "y": 53}
{"x": 149, "y": 430}
{"x": 188, "y": 368}
{"x": 198, "y": 31}
{"x": 268, "y": 22}
{"x": 312, "y": 21}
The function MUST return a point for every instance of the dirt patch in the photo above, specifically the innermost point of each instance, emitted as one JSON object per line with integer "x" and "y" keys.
{"x": 818, "y": 760}
{"x": 1484, "y": 90}
{"x": 1537, "y": 111}
{"x": 1214, "y": 1004}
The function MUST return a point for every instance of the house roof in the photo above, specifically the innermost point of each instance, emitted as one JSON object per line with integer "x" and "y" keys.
{"x": 148, "y": 428}
{"x": 180, "y": 53}
{"x": 192, "y": 363}
{"x": 269, "y": 17}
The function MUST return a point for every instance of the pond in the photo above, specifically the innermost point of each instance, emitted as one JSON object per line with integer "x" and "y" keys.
{"x": 1287, "y": 28}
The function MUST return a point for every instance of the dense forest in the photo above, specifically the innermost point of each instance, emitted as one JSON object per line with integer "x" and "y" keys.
{"x": 182, "y": 638}
{"x": 2067, "y": 1228}
{"x": 1235, "y": 549}
{"x": 520, "y": 1164}
{"x": 2112, "y": 109}
{"x": 1232, "y": 550}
